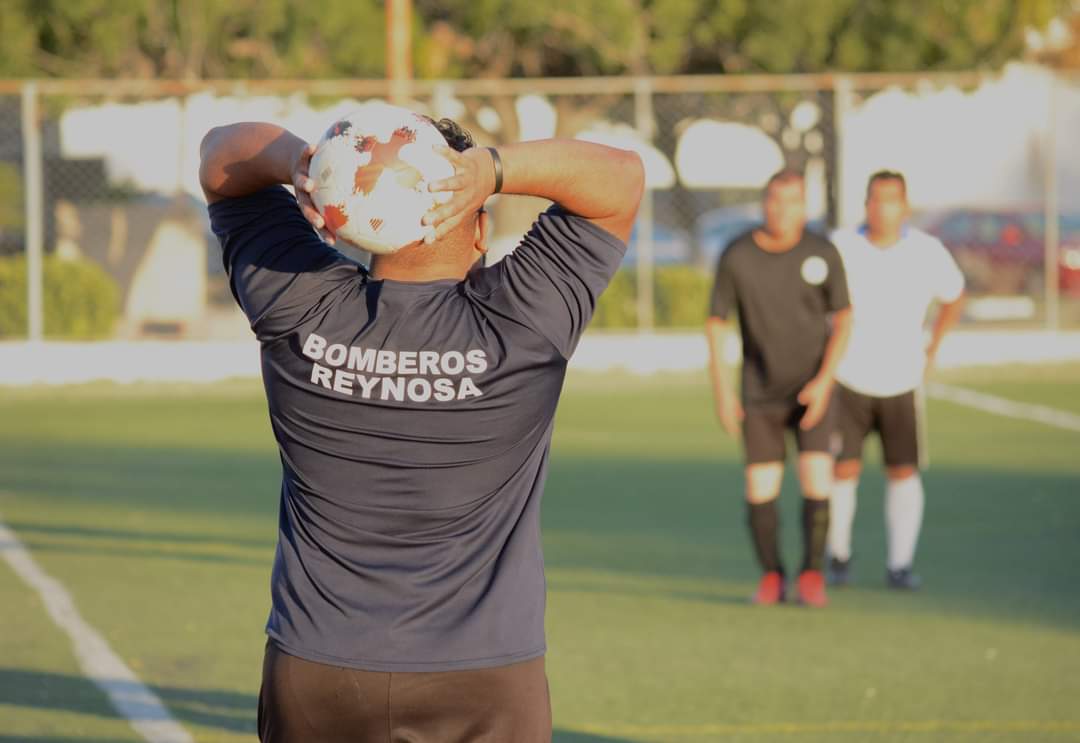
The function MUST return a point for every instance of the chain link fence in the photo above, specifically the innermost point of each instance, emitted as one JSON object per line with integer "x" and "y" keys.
{"x": 103, "y": 175}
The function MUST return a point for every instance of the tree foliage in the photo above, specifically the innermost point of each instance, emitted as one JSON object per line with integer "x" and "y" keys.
{"x": 588, "y": 37}
{"x": 193, "y": 39}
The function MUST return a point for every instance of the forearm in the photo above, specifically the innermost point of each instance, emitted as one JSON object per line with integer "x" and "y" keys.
{"x": 716, "y": 332}
{"x": 837, "y": 345}
{"x": 947, "y": 317}
{"x": 240, "y": 159}
{"x": 599, "y": 183}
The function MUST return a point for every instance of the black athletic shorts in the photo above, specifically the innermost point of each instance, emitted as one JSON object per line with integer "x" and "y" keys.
{"x": 765, "y": 426}
{"x": 895, "y": 419}
{"x": 305, "y": 702}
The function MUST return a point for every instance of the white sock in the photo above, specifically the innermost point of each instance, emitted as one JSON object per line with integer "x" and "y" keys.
{"x": 903, "y": 519}
{"x": 841, "y": 517}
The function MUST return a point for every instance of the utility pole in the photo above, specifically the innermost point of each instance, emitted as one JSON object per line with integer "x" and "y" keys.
{"x": 399, "y": 70}
{"x": 33, "y": 191}
{"x": 1051, "y": 215}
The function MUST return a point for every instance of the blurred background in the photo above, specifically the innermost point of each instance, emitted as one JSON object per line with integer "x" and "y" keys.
{"x": 103, "y": 230}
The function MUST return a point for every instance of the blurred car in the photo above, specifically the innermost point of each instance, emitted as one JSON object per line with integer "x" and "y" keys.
{"x": 1001, "y": 252}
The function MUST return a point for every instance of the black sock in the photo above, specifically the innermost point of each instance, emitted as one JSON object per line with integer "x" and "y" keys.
{"x": 815, "y": 523}
{"x": 764, "y": 522}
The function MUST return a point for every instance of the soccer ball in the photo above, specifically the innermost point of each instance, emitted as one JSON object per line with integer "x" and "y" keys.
{"x": 371, "y": 171}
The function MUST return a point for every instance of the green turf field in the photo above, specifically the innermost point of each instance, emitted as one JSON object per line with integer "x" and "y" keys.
{"x": 156, "y": 508}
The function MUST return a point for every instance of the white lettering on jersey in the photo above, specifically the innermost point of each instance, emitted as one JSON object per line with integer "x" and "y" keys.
{"x": 402, "y": 376}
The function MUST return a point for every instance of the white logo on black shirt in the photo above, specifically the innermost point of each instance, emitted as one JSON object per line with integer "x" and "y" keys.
{"x": 815, "y": 270}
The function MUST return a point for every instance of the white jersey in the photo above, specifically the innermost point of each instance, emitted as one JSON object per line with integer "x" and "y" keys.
{"x": 891, "y": 290}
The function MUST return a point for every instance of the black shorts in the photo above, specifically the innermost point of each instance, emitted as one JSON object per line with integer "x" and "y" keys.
{"x": 305, "y": 702}
{"x": 895, "y": 419}
{"x": 765, "y": 426}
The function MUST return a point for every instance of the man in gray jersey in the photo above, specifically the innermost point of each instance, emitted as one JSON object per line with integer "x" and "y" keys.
{"x": 413, "y": 406}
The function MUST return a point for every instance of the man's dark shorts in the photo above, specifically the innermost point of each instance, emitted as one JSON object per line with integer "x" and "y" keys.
{"x": 894, "y": 418}
{"x": 305, "y": 702}
{"x": 765, "y": 428}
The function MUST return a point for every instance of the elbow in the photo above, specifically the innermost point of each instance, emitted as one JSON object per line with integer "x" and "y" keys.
{"x": 714, "y": 323}
{"x": 206, "y": 147}
{"x": 716, "y": 331}
{"x": 629, "y": 186}
{"x": 207, "y": 168}
{"x": 634, "y": 168}
{"x": 842, "y": 321}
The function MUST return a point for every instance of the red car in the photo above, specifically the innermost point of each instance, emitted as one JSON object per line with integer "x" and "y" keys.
{"x": 1001, "y": 252}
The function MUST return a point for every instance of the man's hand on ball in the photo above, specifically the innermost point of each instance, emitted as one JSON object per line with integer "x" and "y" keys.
{"x": 304, "y": 186}
{"x": 471, "y": 185}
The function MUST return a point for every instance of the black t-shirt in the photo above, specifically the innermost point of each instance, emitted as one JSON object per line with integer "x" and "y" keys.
{"x": 413, "y": 422}
{"x": 783, "y": 301}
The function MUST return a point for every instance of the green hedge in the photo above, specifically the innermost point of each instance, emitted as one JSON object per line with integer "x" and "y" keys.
{"x": 681, "y": 296}
{"x": 81, "y": 301}
{"x": 11, "y": 191}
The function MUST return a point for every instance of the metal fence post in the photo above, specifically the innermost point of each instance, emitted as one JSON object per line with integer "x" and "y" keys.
{"x": 1051, "y": 233}
{"x": 643, "y": 115}
{"x": 399, "y": 65}
{"x": 34, "y": 202}
{"x": 843, "y": 103}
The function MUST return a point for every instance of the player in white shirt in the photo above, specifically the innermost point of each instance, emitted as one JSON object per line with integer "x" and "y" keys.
{"x": 895, "y": 272}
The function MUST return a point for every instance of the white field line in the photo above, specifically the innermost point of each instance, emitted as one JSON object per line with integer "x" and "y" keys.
{"x": 1007, "y": 408}
{"x": 142, "y": 708}
{"x": 716, "y": 731}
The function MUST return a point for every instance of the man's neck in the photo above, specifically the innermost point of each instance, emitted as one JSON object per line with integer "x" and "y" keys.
{"x": 776, "y": 242}
{"x": 884, "y": 238}
{"x": 418, "y": 263}
{"x": 381, "y": 269}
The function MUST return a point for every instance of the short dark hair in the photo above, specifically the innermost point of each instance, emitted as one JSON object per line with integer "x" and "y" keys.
{"x": 883, "y": 176}
{"x": 786, "y": 175}
{"x": 457, "y": 137}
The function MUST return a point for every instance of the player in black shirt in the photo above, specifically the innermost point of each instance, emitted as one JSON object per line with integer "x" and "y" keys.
{"x": 789, "y": 290}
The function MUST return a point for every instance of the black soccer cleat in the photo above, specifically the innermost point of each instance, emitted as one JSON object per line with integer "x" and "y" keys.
{"x": 839, "y": 572}
{"x": 903, "y": 580}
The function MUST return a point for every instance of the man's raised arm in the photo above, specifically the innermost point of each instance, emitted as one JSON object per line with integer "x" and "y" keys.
{"x": 242, "y": 159}
{"x": 602, "y": 184}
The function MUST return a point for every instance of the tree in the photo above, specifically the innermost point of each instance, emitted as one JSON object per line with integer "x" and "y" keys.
{"x": 512, "y": 38}
{"x": 192, "y": 39}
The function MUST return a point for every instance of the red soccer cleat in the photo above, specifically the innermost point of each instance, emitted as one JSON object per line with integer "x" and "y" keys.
{"x": 812, "y": 589}
{"x": 770, "y": 591}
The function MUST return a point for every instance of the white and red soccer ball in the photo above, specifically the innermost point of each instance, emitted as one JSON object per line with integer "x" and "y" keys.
{"x": 372, "y": 170}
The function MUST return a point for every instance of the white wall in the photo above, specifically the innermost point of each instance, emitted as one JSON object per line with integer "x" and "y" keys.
{"x": 23, "y": 363}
